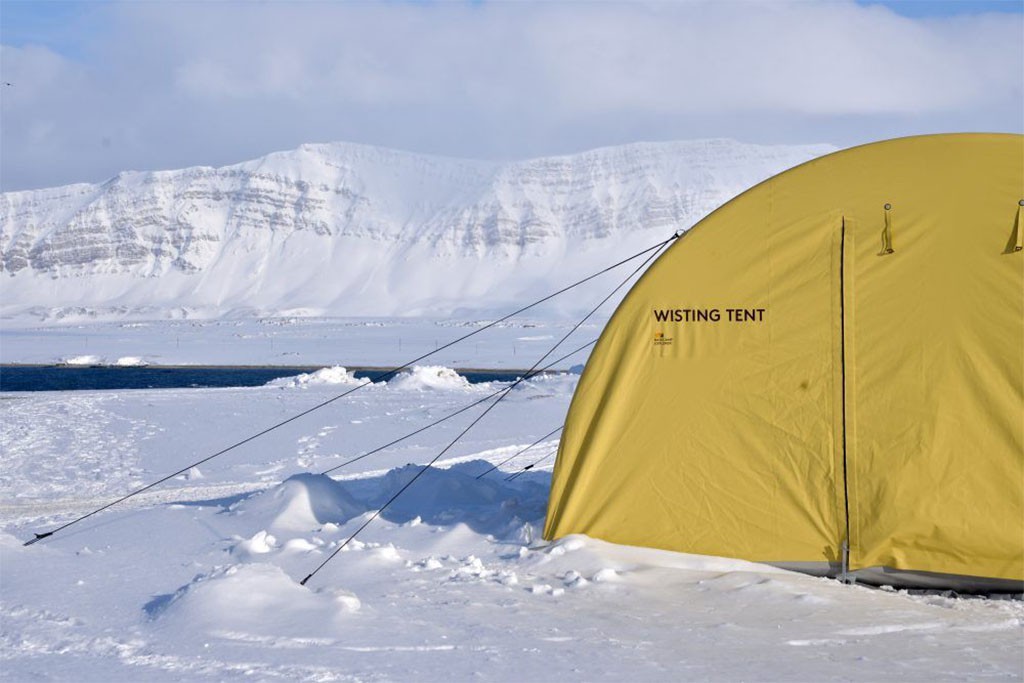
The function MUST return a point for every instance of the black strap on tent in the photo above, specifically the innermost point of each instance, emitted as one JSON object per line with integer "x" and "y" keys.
{"x": 521, "y": 451}
{"x": 461, "y": 410}
{"x": 377, "y": 378}
{"x": 505, "y": 392}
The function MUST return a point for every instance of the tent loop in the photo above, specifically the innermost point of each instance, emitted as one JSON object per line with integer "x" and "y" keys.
{"x": 887, "y": 232}
{"x": 1018, "y": 229}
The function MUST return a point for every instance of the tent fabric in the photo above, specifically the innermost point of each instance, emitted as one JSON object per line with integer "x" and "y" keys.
{"x": 836, "y": 355}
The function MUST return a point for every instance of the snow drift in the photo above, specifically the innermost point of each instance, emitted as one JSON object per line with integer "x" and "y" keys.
{"x": 431, "y": 377}
{"x": 254, "y": 599}
{"x": 332, "y": 376}
{"x": 303, "y": 501}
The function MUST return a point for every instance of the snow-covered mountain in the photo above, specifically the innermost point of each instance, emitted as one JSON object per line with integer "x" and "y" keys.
{"x": 343, "y": 229}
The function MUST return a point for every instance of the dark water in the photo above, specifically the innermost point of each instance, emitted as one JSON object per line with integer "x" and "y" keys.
{"x": 58, "y": 378}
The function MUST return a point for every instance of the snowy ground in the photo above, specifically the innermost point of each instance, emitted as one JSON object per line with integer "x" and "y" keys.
{"x": 199, "y": 579}
{"x": 352, "y": 342}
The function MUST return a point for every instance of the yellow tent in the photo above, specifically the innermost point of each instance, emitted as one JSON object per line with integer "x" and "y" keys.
{"x": 833, "y": 359}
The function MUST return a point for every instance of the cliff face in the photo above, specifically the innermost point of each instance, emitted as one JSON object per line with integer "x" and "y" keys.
{"x": 339, "y": 229}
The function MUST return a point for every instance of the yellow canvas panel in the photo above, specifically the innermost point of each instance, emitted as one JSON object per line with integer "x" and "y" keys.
{"x": 803, "y": 343}
{"x": 935, "y": 444}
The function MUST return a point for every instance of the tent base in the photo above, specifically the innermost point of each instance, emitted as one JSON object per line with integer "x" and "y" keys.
{"x": 902, "y": 578}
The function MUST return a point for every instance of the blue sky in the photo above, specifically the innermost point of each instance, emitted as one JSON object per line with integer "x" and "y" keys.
{"x": 104, "y": 87}
{"x": 946, "y": 8}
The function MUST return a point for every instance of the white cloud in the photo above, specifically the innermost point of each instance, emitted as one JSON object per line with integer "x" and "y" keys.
{"x": 174, "y": 84}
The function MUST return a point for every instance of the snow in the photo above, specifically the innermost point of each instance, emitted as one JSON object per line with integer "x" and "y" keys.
{"x": 198, "y": 578}
{"x": 348, "y": 230}
{"x": 235, "y": 601}
{"x": 336, "y": 375}
{"x": 92, "y": 360}
{"x": 303, "y": 501}
{"x": 430, "y": 377}
{"x": 82, "y": 361}
{"x": 193, "y": 473}
{"x": 319, "y": 342}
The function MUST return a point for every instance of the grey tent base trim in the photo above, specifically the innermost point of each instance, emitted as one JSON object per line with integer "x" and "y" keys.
{"x": 901, "y": 578}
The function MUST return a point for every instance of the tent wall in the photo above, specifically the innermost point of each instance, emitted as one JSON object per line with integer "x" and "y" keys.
{"x": 935, "y": 439}
{"x": 773, "y": 361}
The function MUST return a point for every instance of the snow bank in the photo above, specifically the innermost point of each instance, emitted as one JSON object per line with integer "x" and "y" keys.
{"x": 454, "y": 495}
{"x": 130, "y": 362}
{"x": 192, "y": 474}
{"x": 336, "y": 375}
{"x": 547, "y": 384}
{"x": 609, "y": 561}
{"x": 300, "y": 503}
{"x": 438, "y": 490}
{"x": 252, "y": 599}
{"x": 429, "y": 377}
{"x": 91, "y": 360}
{"x": 81, "y": 361}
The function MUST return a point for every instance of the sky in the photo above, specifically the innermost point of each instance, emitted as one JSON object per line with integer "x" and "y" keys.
{"x": 98, "y": 88}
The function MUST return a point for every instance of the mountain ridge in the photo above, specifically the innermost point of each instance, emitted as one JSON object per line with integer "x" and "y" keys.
{"x": 350, "y": 229}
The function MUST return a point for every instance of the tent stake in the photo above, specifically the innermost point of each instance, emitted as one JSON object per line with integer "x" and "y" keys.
{"x": 845, "y": 576}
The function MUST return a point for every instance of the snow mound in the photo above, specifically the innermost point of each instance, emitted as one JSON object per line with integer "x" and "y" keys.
{"x": 300, "y": 503}
{"x": 130, "y": 362}
{"x": 455, "y": 496}
{"x": 547, "y": 384}
{"x": 81, "y": 361}
{"x": 10, "y": 543}
{"x": 258, "y": 599}
{"x": 261, "y": 543}
{"x": 428, "y": 377}
{"x": 324, "y": 376}
{"x": 192, "y": 474}
{"x": 438, "y": 490}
